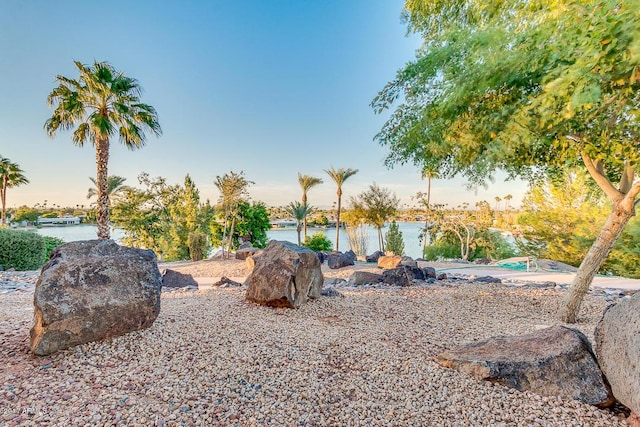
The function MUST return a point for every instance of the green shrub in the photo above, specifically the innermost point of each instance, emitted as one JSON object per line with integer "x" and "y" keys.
{"x": 22, "y": 250}
{"x": 395, "y": 243}
{"x": 442, "y": 250}
{"x": 318, "y": 242}
{"x": 50, "y": 243}
{"x": 197, "y": 246}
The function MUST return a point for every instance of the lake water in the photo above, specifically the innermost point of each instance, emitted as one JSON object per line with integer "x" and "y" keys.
{"x": 410, "y": 233}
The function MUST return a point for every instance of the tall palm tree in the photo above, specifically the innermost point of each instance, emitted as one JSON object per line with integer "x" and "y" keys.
{"x": 10, "y": 176}
{"x": 429, "y": 171}
{"x": 299, "y": 211}
{"x": 115, "y": 187}
{"x": 101, "y": 103}
{"x": 307, "y": 182}
{"x": 339, "y": 177}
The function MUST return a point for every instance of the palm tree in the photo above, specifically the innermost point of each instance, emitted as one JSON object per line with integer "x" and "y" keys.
{"x": 299, "y": 211}
{"x": 10, "y": 176}
{"x": 428, "y": 171}
{"x": 498, "y": 200}
{"x": 339, "y": 177}
{"x": 307, "y": 182}
{"x": 115, "y": 187}
{"x": 507, "y": 201}
{"x": 103, "y": 102}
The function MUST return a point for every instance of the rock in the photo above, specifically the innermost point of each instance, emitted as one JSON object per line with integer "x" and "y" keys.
{"x": 246, "y": 252}
{"x": 634, "y": 420}
{"x": 555, "y": 361}
{"x": 246, "y": 244}
{"x": 441, "y": 276}
{"x": 322, "y": 256}
{"x": 285, "y": 275}
{"x": 335, "y": 281}
{"x": 483, "y": 261}
{"x": 175, "y": 279}
{"x": 486, "y": 279}
{"x": 388, "y": 262}
{"x": 430, "y": 273}
{"x": 408, "y": 261}
{"x": 337, "y": 260}
{"x": 331, "y": 292}
{"x": 374, "y": 256}
{"x": 225, "y": 282}
{"x": 617, "y": 345}
{"x": 402, "y": 276}
{"x": 95, "y": 289}
{"x": 359, "y": 278}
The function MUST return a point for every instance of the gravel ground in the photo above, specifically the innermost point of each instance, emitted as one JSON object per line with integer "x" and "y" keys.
{"x": 364, "y": 359}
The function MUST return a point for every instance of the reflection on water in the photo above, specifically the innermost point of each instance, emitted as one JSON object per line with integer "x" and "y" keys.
{"x": 410, "y": 233}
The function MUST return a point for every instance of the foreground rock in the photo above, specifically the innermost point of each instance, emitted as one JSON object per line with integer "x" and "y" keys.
{"x": 95, "y": 289}
{"x": 175, "y": 279}
{"x": 555, "y": 361}
{"x": 617, "y": 345}
{"x": 284, "y": 275}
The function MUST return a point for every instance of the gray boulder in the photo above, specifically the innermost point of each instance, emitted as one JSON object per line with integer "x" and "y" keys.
{"x": 408, "y": 261}
{"x": 617, "y": 345}
{"x": 430, "y": 273}
{"x": 555, "y": 361}
{"x": 284, "y": 275}
{"x": 374, "y": 256}
{"x": 175, "y": 279}
{"x": 337, "y": 260}
{"x": 402, "y": 276}
{"x": 95, "y": 289}
{"x": 359, "y": 278}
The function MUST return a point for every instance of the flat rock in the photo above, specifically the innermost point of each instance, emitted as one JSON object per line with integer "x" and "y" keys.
{"x": 175, "y": 279}
{"x": 617, "y": 345}
{"x": 359, "y": 278}
{"x": 555, "y": 361}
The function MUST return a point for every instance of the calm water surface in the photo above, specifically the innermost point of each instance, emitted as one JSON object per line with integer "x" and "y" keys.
{"x": 410, "y": 233}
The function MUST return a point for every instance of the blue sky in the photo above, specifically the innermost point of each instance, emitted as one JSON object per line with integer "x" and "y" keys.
{"x": 272, "y": 88}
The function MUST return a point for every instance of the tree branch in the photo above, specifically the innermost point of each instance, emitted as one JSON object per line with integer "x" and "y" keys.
{"x": 600, "y": 179}
{"x": 626, "y": 180}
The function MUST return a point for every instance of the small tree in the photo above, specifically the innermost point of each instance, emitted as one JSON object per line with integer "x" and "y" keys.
{"x": 318, "y": 242}
{"x": 395, "y": 243}
{"x": 339, "y": 177}
{"x": 233, "y": 190}
{"x": 299, "y": 211}
{"x": 306, "y": 183}
{"x": 375, "y": 206}
{"x": 10, "y": 176}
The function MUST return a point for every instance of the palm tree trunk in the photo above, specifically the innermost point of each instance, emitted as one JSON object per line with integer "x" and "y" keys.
{"x": 299, "y": 229}
{"x": 380, "y": 240}
{"x": 338, "y": 221}
{"x": 102, "y": 161}
{"x": 3, "y": 194}
{"x": 233, "y": 225}
{"x": 620, "y": 215}
{"x": 304, "y": 222}
{"x": 224, "y": 232}
{"x": 426, "y": 221}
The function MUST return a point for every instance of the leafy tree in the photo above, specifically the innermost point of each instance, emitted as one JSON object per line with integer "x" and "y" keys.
{"x": 306, "y": 183}
{"x": 115, "y": 187}
{"x": 560, "y": 218}
{"x": 10, "y": 176}
{"x": 528, "y": 87}
{"x": 169, "y": 219}
{"x": 318, "y": 242}
{"x": 375, "y": 206}
{"x": 339, "y": 177}
{"x": 395, "y": 243}
{"x": 25, "y": 213}
{"x": 233, "y": 190}
{"x": 299, "y": 211}
{"x": 253, "y": 222}
{"x": 102, "y": 102}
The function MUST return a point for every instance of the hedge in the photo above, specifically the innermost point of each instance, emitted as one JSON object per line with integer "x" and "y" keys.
{"x": 22, "y": 250}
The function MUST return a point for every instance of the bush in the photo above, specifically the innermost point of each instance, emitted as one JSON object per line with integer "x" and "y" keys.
{"x": 22, "y": 250}
{"x": 395, "y": 243}
{"x": 318, "y": 242}
{"x": 50, "y": 243}
{"x": 442, "y": 250}
{"x": 198, "y": 246}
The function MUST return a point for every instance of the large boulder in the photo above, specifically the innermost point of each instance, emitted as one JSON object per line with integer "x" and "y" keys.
{"x": 95, "y": 289}
{"x": 617, "y": 345}
{"x": 555, "y": 361}
{"x": 285, "y": 275}
{"x": 337, "y": 260}
{"x": 388, "y": 262}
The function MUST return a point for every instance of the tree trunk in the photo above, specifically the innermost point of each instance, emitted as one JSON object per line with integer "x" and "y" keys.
{"x": 620, "y": 215}
{"x": 427, "y": 214}
{"x": 224, "y": 232}
{"x": 380, "y": 239}
{"x": 304, "y": 221}
{"x": 299, "y": 229}
{"x": 233, "y": 225}
{"x": 102, "y": 161}
{"x": 3, "y": 195}
{"x": 338, "y": 220}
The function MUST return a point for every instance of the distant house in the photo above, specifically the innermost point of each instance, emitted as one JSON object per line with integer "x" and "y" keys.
{"x": 283, "y": 223}
{"x": 65, "y": 220}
